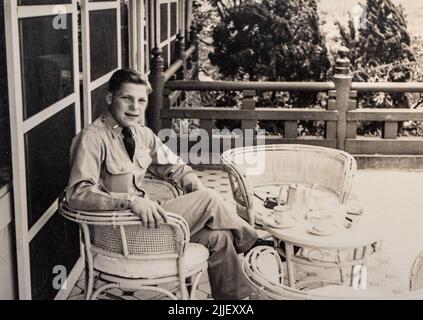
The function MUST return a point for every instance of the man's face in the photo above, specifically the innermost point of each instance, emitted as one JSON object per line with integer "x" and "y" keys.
{"x": 128, "y": 104}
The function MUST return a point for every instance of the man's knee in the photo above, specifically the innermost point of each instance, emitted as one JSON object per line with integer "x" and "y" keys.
{"x": 208, "y": 195}
{"x": 219, "y": 239}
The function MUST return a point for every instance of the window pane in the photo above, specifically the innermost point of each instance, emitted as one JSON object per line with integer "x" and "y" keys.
{"x": 173, "y": 19}
{"x": 47, "y": 64}
{"x": 163, "y": 22}
{"x": 103, "y": 42}
{"x": 47, "y": 161}
{"x": 98, "y": 101}
{"x": 56, "y": 244}
{"x": 39, "y": 2}
{"x": 5, "y": 160}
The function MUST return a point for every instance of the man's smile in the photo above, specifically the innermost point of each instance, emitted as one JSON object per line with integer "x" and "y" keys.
{"x": 132, "y": 115}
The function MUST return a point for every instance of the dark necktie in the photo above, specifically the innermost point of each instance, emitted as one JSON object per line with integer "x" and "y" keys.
{"x": 128, "y": 141}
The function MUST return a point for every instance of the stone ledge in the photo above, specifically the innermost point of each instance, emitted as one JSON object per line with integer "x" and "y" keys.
{"x": 364, "y": 161}
{"x": 393, "y": 162}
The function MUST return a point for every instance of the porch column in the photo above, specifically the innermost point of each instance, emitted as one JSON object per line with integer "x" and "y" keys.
{"x": 157, "y": 79}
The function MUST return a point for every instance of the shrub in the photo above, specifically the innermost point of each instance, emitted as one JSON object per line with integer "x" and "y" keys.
{"x": 271, "y": 40}
{"x": 380, "y": 51}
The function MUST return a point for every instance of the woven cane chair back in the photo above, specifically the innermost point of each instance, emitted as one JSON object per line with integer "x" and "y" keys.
{"x": 140, "y": 241}
{"x": 119, "y": 233}
{"x": 263, "y": 269}
{"x": 250, "y": 167}
{"x": 136, "y": 240}
{"x": 159, "y": 189}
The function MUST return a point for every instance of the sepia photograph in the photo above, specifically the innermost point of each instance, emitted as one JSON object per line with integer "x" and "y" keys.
{"x": 211, "y": 150}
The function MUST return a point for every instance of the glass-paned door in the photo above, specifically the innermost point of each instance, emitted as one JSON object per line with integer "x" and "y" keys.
{"x": 101, "y": 52}
{"x": 167, "y": 26}
{"x": 43, "y": 77}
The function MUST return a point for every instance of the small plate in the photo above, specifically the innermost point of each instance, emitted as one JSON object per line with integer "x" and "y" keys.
{"x": 270, "y": 221}
{"x": 332, "y": 228}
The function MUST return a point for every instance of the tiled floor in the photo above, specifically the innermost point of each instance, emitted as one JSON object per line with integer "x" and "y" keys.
{"x": 203, "y": 292}
{"x": 393, "y": 203}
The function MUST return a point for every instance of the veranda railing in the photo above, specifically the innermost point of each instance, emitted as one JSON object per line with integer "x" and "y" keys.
{"x": 341, "y": 115}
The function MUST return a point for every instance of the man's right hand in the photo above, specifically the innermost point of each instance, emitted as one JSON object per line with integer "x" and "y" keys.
{"x": 151, "y": 214}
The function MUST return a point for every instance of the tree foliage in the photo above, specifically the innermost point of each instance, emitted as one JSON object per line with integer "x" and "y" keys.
{"x": 380, "y": 47}
{"x": 380, "y": 51}
{"x": 269, "y": 40}
{"x": 381, "y": 37}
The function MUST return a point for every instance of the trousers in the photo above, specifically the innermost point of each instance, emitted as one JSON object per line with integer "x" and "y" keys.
{"x": 224, "y": 233}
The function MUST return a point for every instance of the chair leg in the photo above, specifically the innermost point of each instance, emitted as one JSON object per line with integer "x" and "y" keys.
{"x": 102, "y": 288}
{"x": 194, "y": 284}
{"x": 183, "y": 286}
{"x": 89, "y": 282}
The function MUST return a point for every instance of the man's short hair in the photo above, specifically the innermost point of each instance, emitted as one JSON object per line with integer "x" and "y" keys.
{"x": 127, "y": 76}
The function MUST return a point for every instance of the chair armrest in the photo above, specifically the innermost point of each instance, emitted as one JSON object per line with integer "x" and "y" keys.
{"x": 118, "y": 221}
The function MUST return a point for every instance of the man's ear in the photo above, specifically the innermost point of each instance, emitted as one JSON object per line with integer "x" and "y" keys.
{"x": 109, "y": 97}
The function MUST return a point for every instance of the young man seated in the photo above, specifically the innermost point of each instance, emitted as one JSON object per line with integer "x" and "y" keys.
{"x": 109, "y": 159}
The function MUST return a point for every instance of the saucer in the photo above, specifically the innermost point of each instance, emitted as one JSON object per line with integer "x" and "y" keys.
{"x": 332, "y": 228}
{"x": 270, "y": 221}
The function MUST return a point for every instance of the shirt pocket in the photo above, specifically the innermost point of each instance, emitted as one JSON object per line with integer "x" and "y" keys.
{"x": 117, "y": 166}
{"x": 144, "y": 159}
{"x": 118, "y": 175}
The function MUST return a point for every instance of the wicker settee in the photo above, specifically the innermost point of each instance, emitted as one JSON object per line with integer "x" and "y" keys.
{"x": 249, "y": 168}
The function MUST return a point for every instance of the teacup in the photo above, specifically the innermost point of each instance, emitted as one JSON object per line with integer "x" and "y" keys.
{"x": 282, "y": 215}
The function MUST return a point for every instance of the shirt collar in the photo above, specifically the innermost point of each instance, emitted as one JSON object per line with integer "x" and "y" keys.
{"x": 114, "y": 127}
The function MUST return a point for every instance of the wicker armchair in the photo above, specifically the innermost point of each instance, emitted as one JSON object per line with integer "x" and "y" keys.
{"x": 251, "y": 167}
{"x": 264, "y": 270}
{"x": 129, "y": 256}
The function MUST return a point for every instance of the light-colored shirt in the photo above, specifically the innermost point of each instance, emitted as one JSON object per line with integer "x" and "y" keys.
{"x": 103, "y": 177}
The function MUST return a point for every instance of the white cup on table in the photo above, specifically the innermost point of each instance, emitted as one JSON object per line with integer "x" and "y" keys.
{"x": 282, "y": 215}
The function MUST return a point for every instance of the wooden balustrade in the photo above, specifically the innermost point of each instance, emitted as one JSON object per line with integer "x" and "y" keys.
{"x": 184, "y": 66}
{"x": 341, "y": 116}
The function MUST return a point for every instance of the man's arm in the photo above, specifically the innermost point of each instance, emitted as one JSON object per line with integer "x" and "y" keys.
{"x": 84, "y": 191}
{"x": 166, "y": 164}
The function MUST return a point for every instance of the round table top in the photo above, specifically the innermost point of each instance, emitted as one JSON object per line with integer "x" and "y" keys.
{"x": 301, "y": 232}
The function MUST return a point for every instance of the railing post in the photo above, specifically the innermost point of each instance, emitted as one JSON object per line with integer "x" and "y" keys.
{"x": 194, "y": 57}
{"x": 331, "y": 125}
{"x": 390, "y": 130}
{"x": 166, "y": 122}
{"x": 248, "y": 103}
{"x": 157, "y": 79}
{"x": 342, "y": 79}
{"x": 352, "y": 125}
{"x": 180, "y": 54}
